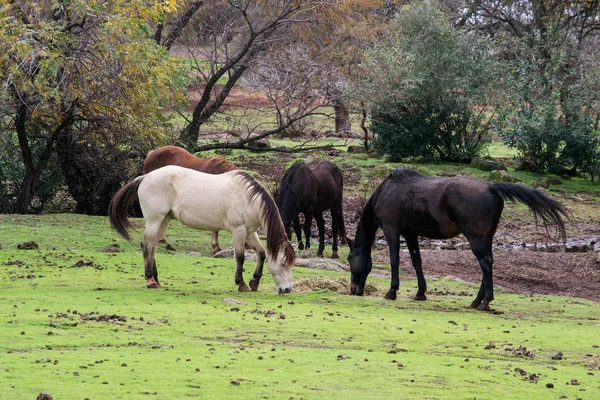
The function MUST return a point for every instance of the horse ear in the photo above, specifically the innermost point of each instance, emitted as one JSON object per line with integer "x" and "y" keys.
{"x": 350, "y": 242}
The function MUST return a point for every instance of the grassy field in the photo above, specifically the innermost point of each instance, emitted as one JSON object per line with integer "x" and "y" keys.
{"x": 78, "y": 322}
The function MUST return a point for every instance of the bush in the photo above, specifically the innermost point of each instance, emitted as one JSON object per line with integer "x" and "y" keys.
{"x": 426, "y": 83}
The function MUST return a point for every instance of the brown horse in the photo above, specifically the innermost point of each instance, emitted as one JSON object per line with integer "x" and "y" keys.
{"x": 312, "y": 189}
{"x": 410, "y": 204}
{"x": 173, "y": 155}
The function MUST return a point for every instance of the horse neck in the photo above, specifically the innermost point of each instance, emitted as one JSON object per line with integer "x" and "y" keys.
{"x": 366, "y": 229}
{"x": 288, "y": 204}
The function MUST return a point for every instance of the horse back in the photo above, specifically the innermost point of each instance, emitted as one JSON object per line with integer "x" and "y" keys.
{"x": 173, "y": 155}
{"x": 329, "y": 183}
{"x": 434, "y": 207}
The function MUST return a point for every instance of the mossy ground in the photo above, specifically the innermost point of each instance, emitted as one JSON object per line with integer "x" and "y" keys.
{"x": 78, "y": 322}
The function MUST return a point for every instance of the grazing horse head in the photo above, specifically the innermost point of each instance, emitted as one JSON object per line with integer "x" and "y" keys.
{"x": 281, "y": 254}
{"x": 280, "y": 266}
{"x": 360, "y": 267}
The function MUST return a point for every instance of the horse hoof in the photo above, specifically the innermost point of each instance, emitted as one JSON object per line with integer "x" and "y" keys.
{"x": 243, "y": 288}
{"x": 320, "y": 255}
{"x": 391, "y": 295}
{"x": 484, "y": 306}
{"x": 169, "y": 247}
{"x": 420, "y": 297}
{"x": 154, "y": 285}
{"x": 254, "y": 285}
{"x": 300, "y": 246}
{"x": 335, "y": 255}
{"x": 216, "y": 250}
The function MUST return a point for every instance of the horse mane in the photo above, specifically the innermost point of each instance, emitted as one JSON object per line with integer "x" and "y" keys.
{"x": 276, "y": 236}
{"x": 219, "y": 163}
{"x": 173, "y": 155}
{"x": 403, "y": 173}
{"x": 367, "y": 226}
{"x": 287, "y": 190}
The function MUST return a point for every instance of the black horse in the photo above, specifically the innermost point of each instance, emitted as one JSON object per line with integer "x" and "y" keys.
{"x": 311, "y": 189}
{"x": 410, "y": 204}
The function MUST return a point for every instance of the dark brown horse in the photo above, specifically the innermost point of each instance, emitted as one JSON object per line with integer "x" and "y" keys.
{"x": 311, "y": 189}
{"x": 410, "y": 204}
{"x": 173, "y": 155}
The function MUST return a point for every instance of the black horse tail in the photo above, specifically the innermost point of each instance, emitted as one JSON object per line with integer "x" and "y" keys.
{"x": 542, "y": 206}
{"x": 118, "y": 209}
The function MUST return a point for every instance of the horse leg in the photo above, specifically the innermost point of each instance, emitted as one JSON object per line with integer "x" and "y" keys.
{"x": 152, "y": 233}
{"x": 334, "y": 232}
{"x": 321, "y": 226}
{"x": 483, "y": 252}
{"x": 215, "y": 242}
{"x": 239, "y": 244}
{"x": 298, "y": 231}
{"x": 254, "y": 242}
{"x": 394, "y": 248}
{"x": 308, "y": 216}
{"x": 412, "y": 241}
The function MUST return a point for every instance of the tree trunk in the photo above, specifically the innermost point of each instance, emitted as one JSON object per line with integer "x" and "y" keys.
{"x": 342, "y": 117}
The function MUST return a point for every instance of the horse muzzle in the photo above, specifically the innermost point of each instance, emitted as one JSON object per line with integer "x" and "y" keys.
{"x": 355, "y": 289}
{"x": 285, "y": 290}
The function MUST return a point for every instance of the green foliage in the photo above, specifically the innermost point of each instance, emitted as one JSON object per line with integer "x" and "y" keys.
{"x": 550, "y": 114}
{"x": 426, "y": 81}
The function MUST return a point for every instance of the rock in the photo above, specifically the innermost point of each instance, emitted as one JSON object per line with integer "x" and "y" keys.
{"x": 260, "y": 144}
{"x": 501, "y": 176}
{"x": 487, "y": 164}
{"x": 44, "y": 396}
{"x": 31, "y": 245}
{"x": 356, "y": 149}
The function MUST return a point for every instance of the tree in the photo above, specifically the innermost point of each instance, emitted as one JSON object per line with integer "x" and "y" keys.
{"x": 78, "y": 72}
{"x": 550, "y": 50}
{"x": 427, "y": 82}
{"x": 230, "y": 44}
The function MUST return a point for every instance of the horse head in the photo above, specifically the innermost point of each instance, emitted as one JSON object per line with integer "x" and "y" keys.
{"x": 280, "y": 267}
{"x": 360, "y": 267}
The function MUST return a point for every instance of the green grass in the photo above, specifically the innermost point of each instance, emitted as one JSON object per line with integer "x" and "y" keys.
{"x": 191, "y": 339}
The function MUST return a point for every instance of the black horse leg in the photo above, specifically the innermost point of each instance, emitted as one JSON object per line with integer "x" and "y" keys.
{"x": 412, "y": 241}
{"x": 334, "y": 232}
{"x": 239, "y": 244}
{"x": 393, "y": 240}
{"x": 254, "y": 242}
{"x": 483, "y": 252}
{"x": 150, "y": 271}
{"x": 298, "y": 231}
{"x": 321, "y": 227}
{"x": 308, "y": 216}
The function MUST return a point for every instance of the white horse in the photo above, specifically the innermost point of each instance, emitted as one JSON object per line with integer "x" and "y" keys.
{"x": 232, "y": 201}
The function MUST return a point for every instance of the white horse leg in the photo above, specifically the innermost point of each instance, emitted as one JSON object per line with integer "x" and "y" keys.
{"x": 239, "y": 243}
{"x": 254, "y": 242}
{"x": 152, "y": 234}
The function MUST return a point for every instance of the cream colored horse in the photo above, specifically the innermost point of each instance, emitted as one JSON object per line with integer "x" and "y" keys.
{"x": 232, "y": 201}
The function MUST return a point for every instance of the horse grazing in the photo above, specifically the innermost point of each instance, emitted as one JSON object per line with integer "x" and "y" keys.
{"x": 410, "y": 204}
{"x": 232, "y": 201}
{"x": 311, "y": 189}
{"x": 173, "y": 155}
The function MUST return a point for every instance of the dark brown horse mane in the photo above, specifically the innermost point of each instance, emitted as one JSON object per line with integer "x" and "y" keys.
{"x": 276, "y": 237}
{"x": 403, "y": 173}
